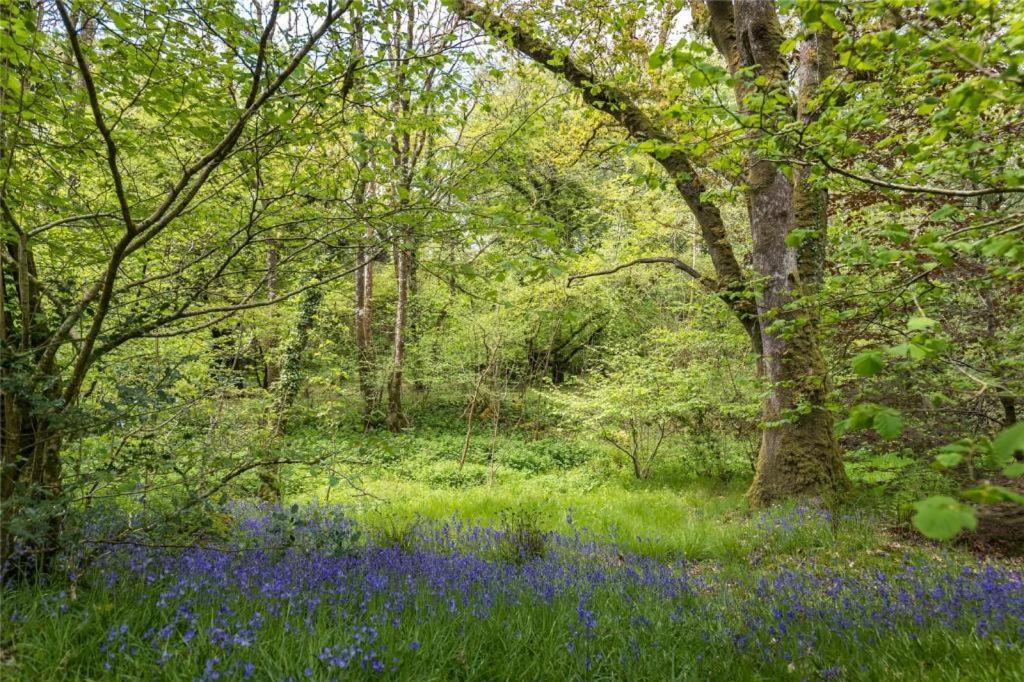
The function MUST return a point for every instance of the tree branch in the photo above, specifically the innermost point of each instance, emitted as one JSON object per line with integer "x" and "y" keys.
{"x": 97, "y": 114}
{"x": 919, "y": 189}
{"x": 615, "y": 102}
{"x": 731, "y": 283}
{"x": 708, "y": 283}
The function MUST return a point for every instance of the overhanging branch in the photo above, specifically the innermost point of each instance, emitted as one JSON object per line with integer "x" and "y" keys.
{"x": 919, "y": 189}
{"x": 706, "y": 282}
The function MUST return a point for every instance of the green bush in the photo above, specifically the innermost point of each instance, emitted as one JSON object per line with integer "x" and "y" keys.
{"x": 447, "y": 474}
{"x": 523, "y": 538}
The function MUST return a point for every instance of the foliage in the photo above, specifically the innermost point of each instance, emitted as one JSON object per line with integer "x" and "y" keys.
{"x": 598, "y": 267}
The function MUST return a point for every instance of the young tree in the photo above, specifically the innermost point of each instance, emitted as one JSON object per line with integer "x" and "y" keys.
{"x": 145, "y": 173}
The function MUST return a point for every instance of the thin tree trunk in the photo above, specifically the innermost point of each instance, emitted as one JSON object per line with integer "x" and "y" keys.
{"x": 273, "y": 368}
{"x": 364, "y": 331}
{"x": 287, "y": 387}
{"x": 364, "y": 189}
{"x": 396, "y": 419}
{"x": 404, "y": 167}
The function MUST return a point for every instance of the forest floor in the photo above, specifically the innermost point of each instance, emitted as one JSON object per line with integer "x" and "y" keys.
{"x": 546, "y": 564}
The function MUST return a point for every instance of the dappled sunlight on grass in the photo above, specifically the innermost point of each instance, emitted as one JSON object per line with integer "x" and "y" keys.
{"x": 699, "y": 521}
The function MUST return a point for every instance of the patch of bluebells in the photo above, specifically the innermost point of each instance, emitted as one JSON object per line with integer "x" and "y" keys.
{"x": 376, "y": 601}
{"x": 782, "y": 524}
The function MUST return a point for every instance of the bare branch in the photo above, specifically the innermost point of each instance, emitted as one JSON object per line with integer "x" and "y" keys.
{"x": 707, "y": 282}
{"x": 919, "y": 189}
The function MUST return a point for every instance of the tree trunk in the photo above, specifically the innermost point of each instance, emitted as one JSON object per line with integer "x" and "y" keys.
{"x": 364, "y": 189}
{"x": 287, "y": 388}
{"x": 363, "y": 331}
{"x": 273, "y": 369}
{"x": 30, "y": 482}
{"x": 799, "y": 453}
{"x": 30, "y": 418}
{"x": 396, "y": 419}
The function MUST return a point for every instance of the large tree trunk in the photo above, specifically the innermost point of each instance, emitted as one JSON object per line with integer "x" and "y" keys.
{"x": 30, "y": 418}
{"x": 30, "y": 485}
{"x": 799, "y": 453}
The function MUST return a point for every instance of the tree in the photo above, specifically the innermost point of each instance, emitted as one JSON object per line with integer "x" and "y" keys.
{"x": 143, "y": 278}
{"x": 799, "y": 454}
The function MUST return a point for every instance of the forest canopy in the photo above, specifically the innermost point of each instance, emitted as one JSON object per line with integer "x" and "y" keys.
{"x": 667, "y": 264}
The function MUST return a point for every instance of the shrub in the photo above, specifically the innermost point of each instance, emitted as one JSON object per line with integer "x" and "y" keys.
{"x": 447, "y": 474}
{"x": 522, "y": 538}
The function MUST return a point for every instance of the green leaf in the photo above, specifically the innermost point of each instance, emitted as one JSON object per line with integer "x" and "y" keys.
{"x": 868, "y": 363}
{"x": 946, "y": 211}
{"x": 860, "y": 417}
{"x": 1014, "y": 470}
{"x": 657, "y": 58}
{"x": 949, "y": 459}
{"x": 832, "y": 21}
{"x": 920, "y": 323}
{"x": 887, "y": 423}
{"x": 942, "y": 518}
{"x": 797, "y": 236}
{"x": 1009, "y": 441}
{"x": 993, "y": 494}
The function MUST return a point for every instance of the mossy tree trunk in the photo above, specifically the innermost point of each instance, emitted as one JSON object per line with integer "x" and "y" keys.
{"x": 799, "y": 454}
{"x": 286, "y": 389}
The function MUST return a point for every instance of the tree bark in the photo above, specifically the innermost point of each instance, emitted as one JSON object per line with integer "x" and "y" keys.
{"x": 799, "y": 455}
{"x": 287, "y": 387}
{"x": 396, "y": 419}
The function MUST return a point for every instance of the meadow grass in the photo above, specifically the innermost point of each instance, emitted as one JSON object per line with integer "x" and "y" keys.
{"x": 450, "y": 601}
{"x": 562, "y": 571}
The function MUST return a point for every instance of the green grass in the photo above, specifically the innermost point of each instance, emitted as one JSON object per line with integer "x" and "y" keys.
{"x": 700, "y": 522}
{"x": 672, "y": 516}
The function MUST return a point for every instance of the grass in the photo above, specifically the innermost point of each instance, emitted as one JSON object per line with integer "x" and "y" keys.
{"x": 450, "y": 605}
{"x": 672, "y": 514}
{"x": 703, "y": 521}
{"x": 671, "y": 578}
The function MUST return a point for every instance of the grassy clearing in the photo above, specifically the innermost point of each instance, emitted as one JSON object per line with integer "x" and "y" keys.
{"x": 704, "y": 521}
{"x": 553, "y": 565}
